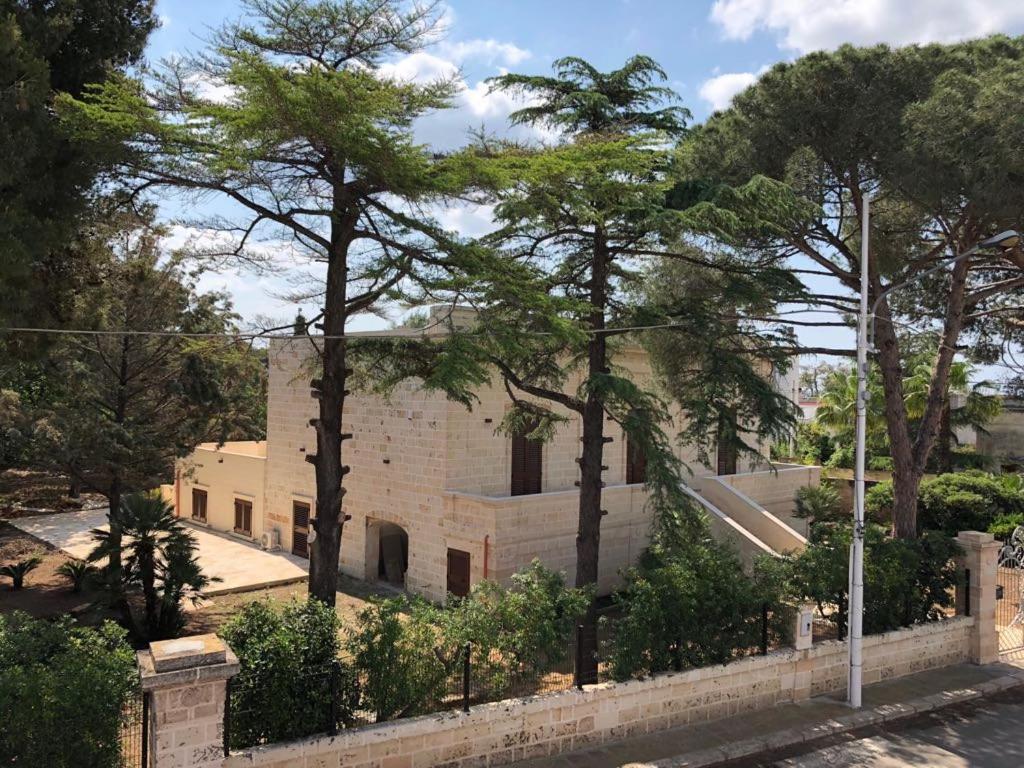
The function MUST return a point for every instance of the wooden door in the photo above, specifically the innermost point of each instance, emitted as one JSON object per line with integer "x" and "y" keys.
{"x": 199, "y": 505}
{"x": 527, "y": 461}
{"x": 458, "y": 572}
{"x": 300, "y": 528}
{"x": 243, "y": 517}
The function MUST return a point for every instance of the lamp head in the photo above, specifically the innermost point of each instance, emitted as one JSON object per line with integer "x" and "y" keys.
{"x": 1004, "y": 240}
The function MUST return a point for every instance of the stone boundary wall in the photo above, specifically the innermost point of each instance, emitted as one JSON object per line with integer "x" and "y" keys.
{"x": 518, "y": 729}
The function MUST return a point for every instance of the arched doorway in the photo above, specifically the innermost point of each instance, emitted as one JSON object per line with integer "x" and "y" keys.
{"x": 387, "y": 552}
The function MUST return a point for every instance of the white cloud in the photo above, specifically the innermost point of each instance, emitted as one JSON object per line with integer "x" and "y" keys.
{"x": 490, "y": 51}
{"x": 719, "y": 90}
{"x": 808, "y": 25}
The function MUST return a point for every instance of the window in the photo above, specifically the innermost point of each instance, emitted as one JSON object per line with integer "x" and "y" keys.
{"x": 243, "y": 517}
{"x": 199, "y": 505}
{"x": 527, "y": 456}
{"x": 636, "y": 462}
{"x": 300, "y": 528}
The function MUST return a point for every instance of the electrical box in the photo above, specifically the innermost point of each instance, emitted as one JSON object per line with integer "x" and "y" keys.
{"x": 806, "y": 622}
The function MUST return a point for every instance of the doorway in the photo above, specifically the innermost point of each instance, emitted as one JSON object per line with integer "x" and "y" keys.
{"x": 387, "y": 552}
{"x": 458, "y": 572}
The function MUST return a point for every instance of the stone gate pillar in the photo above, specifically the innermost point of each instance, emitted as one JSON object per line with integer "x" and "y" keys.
{"x": 186, "y": 680}
{"x": 981, "y": 553}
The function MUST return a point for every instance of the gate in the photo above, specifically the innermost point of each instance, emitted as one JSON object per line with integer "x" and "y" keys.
{"x": 1009, "y": 619}
{"x": 134, "y": 744}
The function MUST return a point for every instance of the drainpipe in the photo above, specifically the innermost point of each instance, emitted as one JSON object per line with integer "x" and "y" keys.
{"x": 487, "y": 552}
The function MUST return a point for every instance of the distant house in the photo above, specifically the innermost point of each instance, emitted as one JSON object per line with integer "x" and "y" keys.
{"x": 438, "y": 499}
{"x": 1003, "y": 439}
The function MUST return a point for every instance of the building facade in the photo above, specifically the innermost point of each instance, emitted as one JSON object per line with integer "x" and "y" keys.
{"x": 438, "y": 498}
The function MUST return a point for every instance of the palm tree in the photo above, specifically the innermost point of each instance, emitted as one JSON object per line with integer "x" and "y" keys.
{"x": 158, "y": 557}
{"x": 837, "y": 406}
{"x": 979, "y": 408}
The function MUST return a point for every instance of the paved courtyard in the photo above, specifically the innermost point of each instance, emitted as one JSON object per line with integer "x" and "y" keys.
{"x": 240, "y": 566}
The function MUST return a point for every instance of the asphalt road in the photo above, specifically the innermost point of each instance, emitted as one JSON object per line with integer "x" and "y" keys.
{"x": 986, "y": 733}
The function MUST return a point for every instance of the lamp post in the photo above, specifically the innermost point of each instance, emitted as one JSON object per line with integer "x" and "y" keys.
{"x": 865, "y": 342}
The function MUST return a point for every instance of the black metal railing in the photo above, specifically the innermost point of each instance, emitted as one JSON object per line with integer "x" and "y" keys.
{"x": 133, "y": 737}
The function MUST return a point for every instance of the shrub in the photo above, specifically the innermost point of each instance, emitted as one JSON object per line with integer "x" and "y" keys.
{"x": 402, "y": 660}
{"x": 910, "y": 581}
{"x": 1004, "y": 526}
{"x": 878, "y": 501}
{"x": 77, "y": 572}
{"x": 518, "y": 632}
{"x": 841, "y": 458}
{"x": 970, "y": 500}
{"x": 818, "y": 503}
{"x": 17, "y": 572}
{"x": 287, "y": 656}
{"x": 62, "y": 691}
{"x": 880, "y": 464}
{"x": 687, "y": 609}
{"x": 814, "y": 445}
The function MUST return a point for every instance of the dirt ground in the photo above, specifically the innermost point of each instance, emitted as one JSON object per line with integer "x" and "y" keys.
{"x": 46, "y": 593}
{"x": 20, "y": 489}
{"x": 352, "y": 597}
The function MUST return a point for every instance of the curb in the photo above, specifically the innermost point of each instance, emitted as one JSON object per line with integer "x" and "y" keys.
{"x": 884, "y": 713}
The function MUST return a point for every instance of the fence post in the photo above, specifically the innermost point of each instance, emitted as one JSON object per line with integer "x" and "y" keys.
{"x": 764, "y": 629}
{"x": 145, "y": 729}
{"x": 332, "y": 727}
{"x": 227, "y": 718}
{"x": 578, "y": 670}
{"x": 465, "y": 677}
{"x": 980, "y": 555}
{"x": 186, "y": 680}
{"x": 967, "y": 591}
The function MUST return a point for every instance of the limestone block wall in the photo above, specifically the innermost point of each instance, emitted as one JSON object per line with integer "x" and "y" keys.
{"x": 543, "y": 526}
{"x": 776, "y": 490}
{"x": 507, "y": 732}
{"x": 228, "y": 472}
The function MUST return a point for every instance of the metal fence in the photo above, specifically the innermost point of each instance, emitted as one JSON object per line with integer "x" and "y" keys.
{"x": 134, "y": 745}
{"x": 265, "y": 705}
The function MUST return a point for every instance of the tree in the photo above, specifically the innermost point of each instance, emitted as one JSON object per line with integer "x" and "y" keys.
{"x": 134, "y": 391}
{"x": 313, "y": 146}
{"x": 159, "y": 557}
{"x": 552, "y": 306}
{"x": 46, "y": 177}
{"x": 928, "y": 132}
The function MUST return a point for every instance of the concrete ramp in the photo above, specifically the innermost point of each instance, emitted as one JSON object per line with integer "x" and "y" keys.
{"x": 751, "y": 516}
{"x": 728, "y": 531}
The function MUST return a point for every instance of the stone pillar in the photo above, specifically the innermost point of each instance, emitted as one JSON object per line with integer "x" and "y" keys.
{"x": 186, "y": 680}
{"x": 981, "y": 553}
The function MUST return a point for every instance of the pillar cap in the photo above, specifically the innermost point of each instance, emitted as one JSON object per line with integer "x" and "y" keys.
{"x": 977, "y": 539}
{"x": 186, "y": 660}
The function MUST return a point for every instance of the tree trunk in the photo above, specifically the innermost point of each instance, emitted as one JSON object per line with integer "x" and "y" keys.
{"x": 905, "y": 478}
{"x": 329, "y": 521}
{"x": 588, "y": 538}
{"x": 944, "y": 446}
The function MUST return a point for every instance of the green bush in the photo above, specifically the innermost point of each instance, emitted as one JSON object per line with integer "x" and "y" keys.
{"x": 288, "y": 655}
{"x": 1004, "y": 526}
{"x": 841, "y": 458}
{"x": 814, "y": 445}
{"x": 818, "y": 503}
{"x": 880, "y": 464}
{"x": 518, "y": 632}
{"x": 909, "y": 581}
{"x": 689, "y": 609}
{"x": 62, "y": 691}
{"x": 403, "y": 660}
{"x": 970, "y": 500}
{"x": 878, "y": 501}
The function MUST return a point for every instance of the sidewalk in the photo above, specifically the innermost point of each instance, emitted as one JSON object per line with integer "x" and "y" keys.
{"x": 709, "y": 743}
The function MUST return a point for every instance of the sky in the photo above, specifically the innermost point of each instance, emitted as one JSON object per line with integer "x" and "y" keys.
{"x": 710, "y": 49}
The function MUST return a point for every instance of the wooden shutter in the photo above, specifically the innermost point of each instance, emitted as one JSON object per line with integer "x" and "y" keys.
{"x": 527, "y": 462}
{"x": 198, "y": 505}
{"x": 243, "y": 516}
{"x": 726, "y": 444}
{"x": 458, "y": 572}
{"x": 300, "y": 529}
{"x": 636, "y": 463}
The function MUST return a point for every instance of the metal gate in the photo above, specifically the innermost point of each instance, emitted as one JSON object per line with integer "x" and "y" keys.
{"x": 1009, "y": 619}
{"x": 134, "y": 744}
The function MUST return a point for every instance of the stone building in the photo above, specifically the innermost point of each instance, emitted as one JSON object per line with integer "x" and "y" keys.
{"x": 438, "y": 499}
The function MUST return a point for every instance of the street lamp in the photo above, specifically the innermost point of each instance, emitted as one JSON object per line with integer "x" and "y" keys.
{"x": 1003, "y": 240}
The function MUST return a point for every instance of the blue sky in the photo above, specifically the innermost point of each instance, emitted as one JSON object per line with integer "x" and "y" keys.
{"x": 710, "y": 50}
